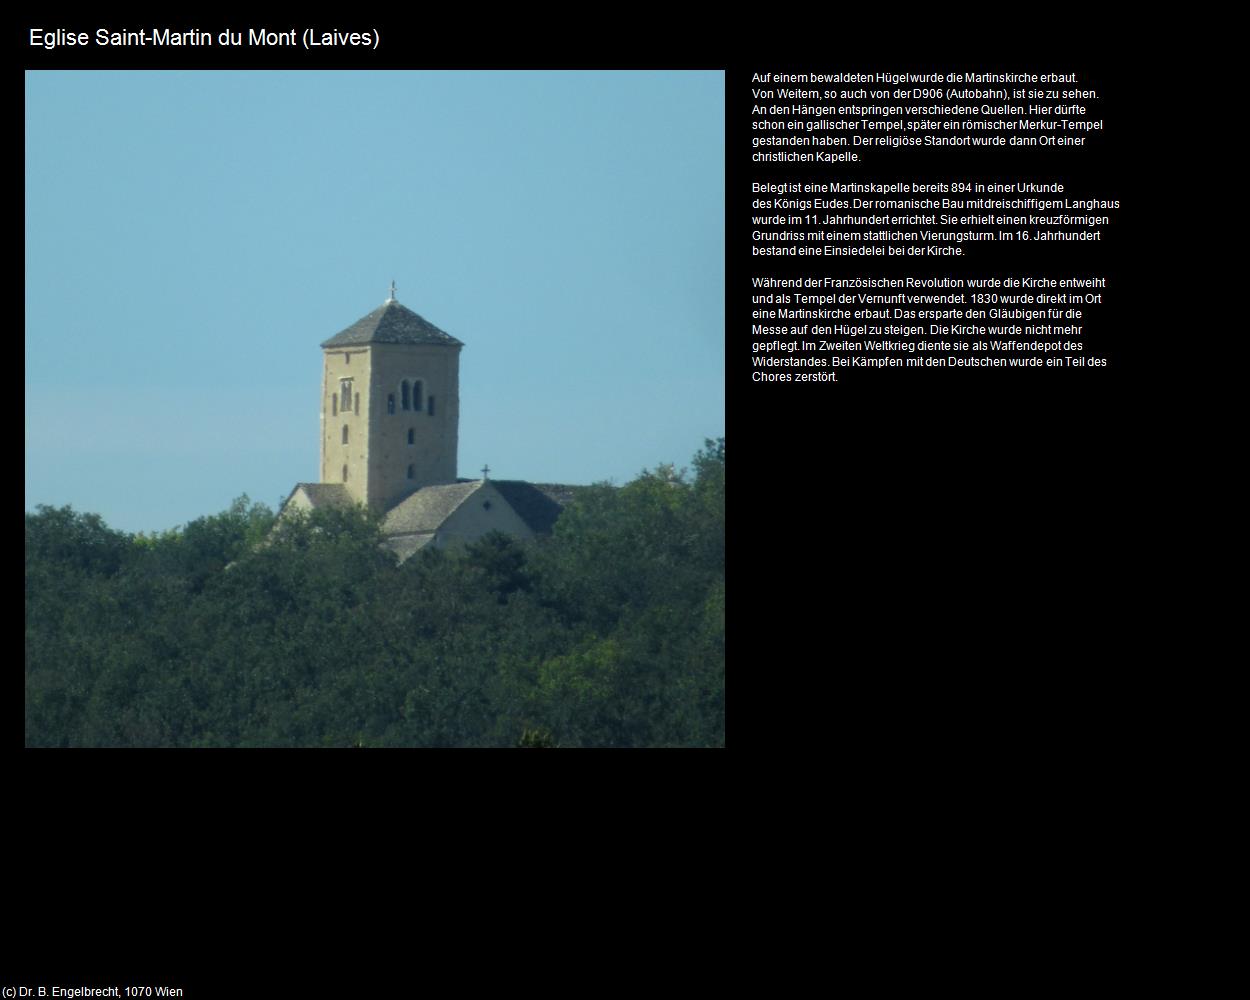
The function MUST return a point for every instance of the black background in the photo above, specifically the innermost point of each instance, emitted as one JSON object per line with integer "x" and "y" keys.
{"x": 928, "y": 571}
{"x": 967, "y": 494}
{"x": 930, "y": 558}
{"x": 942, "y": 560}
{"x": 898, "y": 520}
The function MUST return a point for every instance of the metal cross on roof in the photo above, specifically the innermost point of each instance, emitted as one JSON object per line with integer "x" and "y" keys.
{"x": 392, "y": 298}
{"x": 485, "y": 471}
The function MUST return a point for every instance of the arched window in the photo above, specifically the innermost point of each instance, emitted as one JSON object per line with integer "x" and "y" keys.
{"x": 410, "y": 435}
{"x": 416, "y": 396}
{"x": 403, "y": 388}
{"x": 345, "y": 433}
{"x": 412, "y": 471}
{"x": 390, "y": 403}
{"x": 430, "y": 408}
{"x": 345, "y": 387}
{"x": 345, "y": 473}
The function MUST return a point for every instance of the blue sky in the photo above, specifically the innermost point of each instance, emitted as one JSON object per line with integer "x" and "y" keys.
{"x": 191, "y": 238}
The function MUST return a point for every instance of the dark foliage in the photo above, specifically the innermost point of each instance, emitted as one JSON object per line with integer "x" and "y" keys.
{"x": 233, "y": 632}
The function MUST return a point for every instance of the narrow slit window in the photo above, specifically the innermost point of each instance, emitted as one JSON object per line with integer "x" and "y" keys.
{"x": 430, "y": 408}
{"x": 403, "y": 389}
{"x": 416, "y": 396}
{"x": 345, "y": 390}
{"x": 345, "y": 473}
{"x": 357, "y": 404}
{"x": 412, "y": 471}
{"x": 334, "y": 403}
{"x": 345, "y": 433}
{"x": 410, "y": 436}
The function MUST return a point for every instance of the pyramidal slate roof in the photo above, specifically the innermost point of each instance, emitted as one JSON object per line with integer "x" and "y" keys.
{"x": 392, "y": 323}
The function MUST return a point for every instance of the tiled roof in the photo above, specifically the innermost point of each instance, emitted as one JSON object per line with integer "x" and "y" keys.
{"x": 406, "y": 546}
{"x": 536, "y": 504}
{"x": 391, "y": 323}
{"x": 325, "y": 494}
{"x": 561, "y": 493}
{"x": 428, "y": 508}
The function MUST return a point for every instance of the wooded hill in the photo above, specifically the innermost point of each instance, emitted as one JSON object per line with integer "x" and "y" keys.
{"x": 227, "y": 633}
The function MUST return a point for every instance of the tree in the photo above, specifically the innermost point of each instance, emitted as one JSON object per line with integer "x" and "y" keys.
{"x": 62, "y": 537}
{"x": 228, "y": 633}
{"x": 502, "y": 561}
{"x": 207, "y": 545}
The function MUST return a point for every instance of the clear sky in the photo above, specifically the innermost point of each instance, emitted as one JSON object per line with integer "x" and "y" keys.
{"x": 191, "y": 238}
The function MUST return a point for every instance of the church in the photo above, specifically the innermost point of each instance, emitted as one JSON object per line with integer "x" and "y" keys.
{"x": 390, "y": 413}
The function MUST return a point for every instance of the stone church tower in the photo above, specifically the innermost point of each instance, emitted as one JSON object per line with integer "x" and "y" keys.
{"x": 390, "y": 410}
{"x": 390, "y": 406}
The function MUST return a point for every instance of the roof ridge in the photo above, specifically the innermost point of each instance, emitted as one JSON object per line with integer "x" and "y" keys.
{"x": 392, "y": 323}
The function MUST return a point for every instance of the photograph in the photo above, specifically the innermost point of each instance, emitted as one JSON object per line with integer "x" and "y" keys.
{"x": 374, "y": 408}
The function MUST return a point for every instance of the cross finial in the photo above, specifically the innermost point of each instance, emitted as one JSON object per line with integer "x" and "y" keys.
{"x": 392, "y": 298}
{"x": 485, "y": 472}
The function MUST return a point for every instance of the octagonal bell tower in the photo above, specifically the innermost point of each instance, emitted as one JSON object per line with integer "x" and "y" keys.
{"x": 390, "y": 406}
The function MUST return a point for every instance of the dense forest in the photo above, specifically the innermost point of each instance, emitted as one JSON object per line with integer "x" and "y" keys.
{"x": 231, "y": 632}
